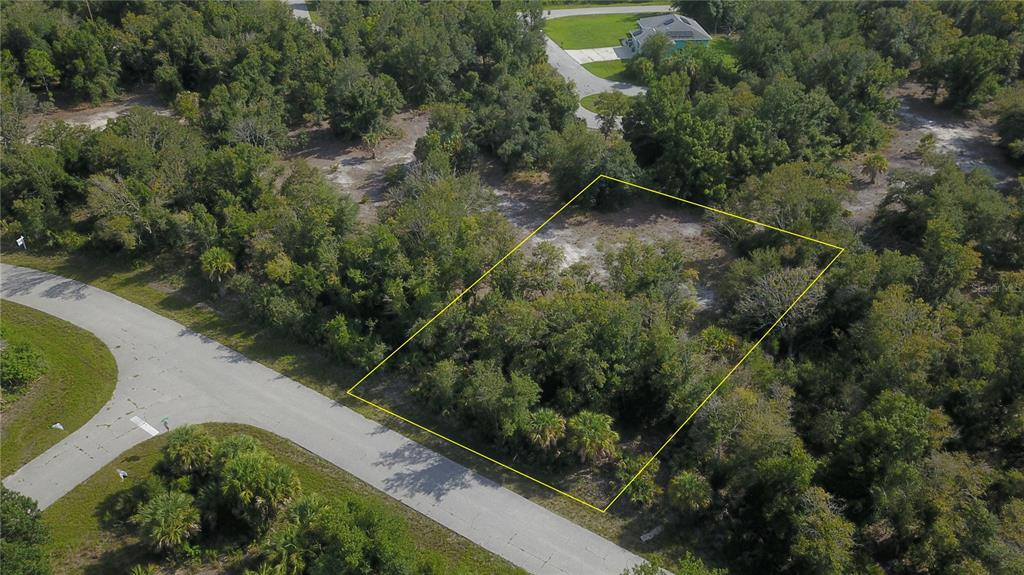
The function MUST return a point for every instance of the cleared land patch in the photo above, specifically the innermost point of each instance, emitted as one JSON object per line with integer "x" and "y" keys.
{"x": 79, "y": 378}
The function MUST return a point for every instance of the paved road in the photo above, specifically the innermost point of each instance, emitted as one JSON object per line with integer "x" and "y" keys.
{"x": 166, "y": 370}
{"x": 568, "y": 67}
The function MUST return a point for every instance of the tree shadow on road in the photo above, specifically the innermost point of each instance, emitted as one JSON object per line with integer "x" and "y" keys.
{"x": 421, "y": 471}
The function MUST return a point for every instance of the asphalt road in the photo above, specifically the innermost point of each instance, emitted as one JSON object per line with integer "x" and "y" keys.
{"x": 167, "y": 371}
{"x": 570, "y": 69}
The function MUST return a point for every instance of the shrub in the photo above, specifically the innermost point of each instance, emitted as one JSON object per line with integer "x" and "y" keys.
{"x": 20, "y": 365}
{"x": 689, "y": 492}
{"x": 168, "y": 521}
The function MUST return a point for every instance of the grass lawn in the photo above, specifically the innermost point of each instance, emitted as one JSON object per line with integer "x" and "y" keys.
{"x": 80, "y": 378}
{"x": 596, "y": 31}
{"x": 614, "y": 70}
{"x": 83, "y": 540}
{"x": 177, "y": 297}
{"x": 558, "y": 5}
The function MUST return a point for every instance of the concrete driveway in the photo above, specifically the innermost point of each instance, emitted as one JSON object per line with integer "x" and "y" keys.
{"x": 571, "y": 69}
{"x": 167, "y": 371}
{"x": 588, "y": 55}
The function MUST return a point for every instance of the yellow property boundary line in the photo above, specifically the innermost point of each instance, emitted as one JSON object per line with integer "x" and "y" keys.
{"x": 681, "y": 426}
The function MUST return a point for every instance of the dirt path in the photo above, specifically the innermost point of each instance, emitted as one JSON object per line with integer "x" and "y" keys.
{"x": 357, "y": 172}
{"x": 971, "y": 141}
{"x": 97, "y": 116}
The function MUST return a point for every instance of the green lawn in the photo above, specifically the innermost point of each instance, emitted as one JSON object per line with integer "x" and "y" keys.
{"x": 561, "y": 5}
{"x": 597, "y": 31}
{"x": 614, "y": 70}
{"x": 85, "y": 540}
{"x": 80, "y": 378}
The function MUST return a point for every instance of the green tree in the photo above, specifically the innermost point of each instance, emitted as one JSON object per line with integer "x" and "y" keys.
{"x": 39, "y": 69}
{"x": 578, "y": 156}
{"x": 360, "y": 103}
{"x": 591, "y": 436}
{"x": 949, "y": 265}
{"x": 82, "y": 59}
{"x": 24, "y": 536}
{"x": 502, "y": 406}
{"x": 610, "y": 108}
{"x": 976, "y": 68}
{"x": 168, "y": 521}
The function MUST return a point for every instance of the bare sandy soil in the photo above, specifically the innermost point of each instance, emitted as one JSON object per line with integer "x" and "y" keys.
{"x": 353, "y": 169}
{"x": 971, "y": 141}
{"x": 583, "y": 234}
{"x": 97, "y": 116}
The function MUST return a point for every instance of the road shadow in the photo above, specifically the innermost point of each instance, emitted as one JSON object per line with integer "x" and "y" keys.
{"x": 421, "y": 471}
{"x": 22, "y": 282}
{"x": 66, "y": 290}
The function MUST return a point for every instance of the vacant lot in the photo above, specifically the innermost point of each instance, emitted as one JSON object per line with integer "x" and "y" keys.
{"x": 598, "y": 31}
{"x": 80, "y": 377}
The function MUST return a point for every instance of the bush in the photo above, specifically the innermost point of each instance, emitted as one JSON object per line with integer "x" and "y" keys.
{"x": 20, "y": 365}
{"x": 168, "y": 521}
{"x": 689, "y": 492}
{"x": 23, "y": 535}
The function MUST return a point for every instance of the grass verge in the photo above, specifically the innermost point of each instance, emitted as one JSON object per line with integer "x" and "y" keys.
{"x": 560, "y": 5}
{"x": 595, "y": 31}
{"x": 80, "y": 377}
{"x": 82, "y": 540}
{"x": 614, "y": 70}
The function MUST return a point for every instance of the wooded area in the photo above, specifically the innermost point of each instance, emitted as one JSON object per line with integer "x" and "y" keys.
{"x": 879, "y": 430}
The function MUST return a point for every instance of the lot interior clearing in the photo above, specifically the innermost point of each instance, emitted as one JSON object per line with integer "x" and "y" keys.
{"x": 79, "y": 379}
{"x": 593, "y": 31}
{"x": 84, "y": 538}
{"x": 593, "y": 486}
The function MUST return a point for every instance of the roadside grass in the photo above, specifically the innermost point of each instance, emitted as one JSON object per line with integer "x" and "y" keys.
{"x": 590, "y": 102}
{"x": 559, "y": 5}
{"x": 614, "y": 70}
{"x": 80, "y": 378}
{"x": 595, "y": 31}
{"x": 183, "y": 298}
{"x": 84, "y": 539}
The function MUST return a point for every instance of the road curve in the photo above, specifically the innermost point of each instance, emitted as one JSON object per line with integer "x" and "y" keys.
{"x": 587, "y": 83}
{"x": 166, "y": 370}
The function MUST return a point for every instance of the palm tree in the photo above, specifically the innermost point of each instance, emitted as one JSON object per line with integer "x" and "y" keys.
{"x": 168, "y": 521}
{"x": 592, "y": 437}
{"x": 256, "y": 486}
{"x": 189, "y": 451}
{"x": 874, "y": 165}
{"x": 217, "y": 263}
{"x": 546, "y": 427}
{"x": 147, "y": 569}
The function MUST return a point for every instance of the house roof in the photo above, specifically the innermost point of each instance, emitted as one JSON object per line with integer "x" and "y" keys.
{"x": 674, "y": 26}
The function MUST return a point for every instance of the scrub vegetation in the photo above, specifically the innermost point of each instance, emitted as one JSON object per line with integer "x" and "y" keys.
{"x": 877, "y": 430}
